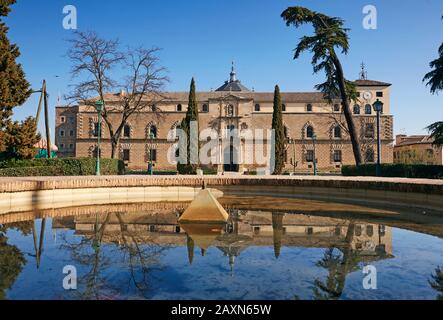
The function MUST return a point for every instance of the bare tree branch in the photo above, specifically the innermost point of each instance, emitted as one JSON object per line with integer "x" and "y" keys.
{"x": 93, "y": 61}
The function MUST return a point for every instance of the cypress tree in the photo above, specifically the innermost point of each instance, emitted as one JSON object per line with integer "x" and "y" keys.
{"x": 192, "y": 144}
{"x": 277, "y": 126}
{"x": 277, "y": 229}
{"x": 190, "y": 246}
{"x": 14, "y": 89}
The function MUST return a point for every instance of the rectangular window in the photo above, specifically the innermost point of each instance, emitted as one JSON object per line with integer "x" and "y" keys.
{"x": 62, "y": 146}
{"x": 310, "y": 156}
{"x": 71, "y": 120}
{"x": 337, "y": 156}
{"x": 71, "y": 146}
{"x": 379, "y": 94}
{"x": 127, "y": 131}
{"x": 369, "y": 130}
{"x": 62, "y": 119}
{"x": 126, "y": 154}
{"x": 369, "y": 156}
{"x": 153, "y": 155}
{"x": 95, "y": 130}
{"x": 62, "y": 133}
{"x": 71, "y": 133}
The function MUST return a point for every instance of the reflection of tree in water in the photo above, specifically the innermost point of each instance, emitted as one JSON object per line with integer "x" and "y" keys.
{"x": 11, "y": 258}
{"x": 437, "y": 282}
{"x": 131, "y": 250}
{"x": 339, "y": 263}
{"x": 277, "y": 229}
{"x": 190, "y": 246}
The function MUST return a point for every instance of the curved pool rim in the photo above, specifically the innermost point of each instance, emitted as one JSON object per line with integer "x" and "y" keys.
{"x": 38, "y": 193}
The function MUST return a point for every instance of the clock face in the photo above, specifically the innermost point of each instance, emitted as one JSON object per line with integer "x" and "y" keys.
{"x": 367, "y": 95}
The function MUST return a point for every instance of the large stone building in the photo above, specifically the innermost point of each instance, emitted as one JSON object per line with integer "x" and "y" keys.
{"x": 311, "y": 127}
{"x": 417, "y": 149}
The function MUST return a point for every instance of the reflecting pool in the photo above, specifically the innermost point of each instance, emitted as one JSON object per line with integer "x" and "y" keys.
{"x": 271, "y": 248}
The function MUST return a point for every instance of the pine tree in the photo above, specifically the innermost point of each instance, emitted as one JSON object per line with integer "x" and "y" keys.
{"x": 21, "y": 138}
{"x": 14, "y": 89}
{"x": 277, "y": 126}
{"x": 192, "y": 144}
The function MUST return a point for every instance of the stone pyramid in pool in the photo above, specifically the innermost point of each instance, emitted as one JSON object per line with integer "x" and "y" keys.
{"x": 204, "y": 209}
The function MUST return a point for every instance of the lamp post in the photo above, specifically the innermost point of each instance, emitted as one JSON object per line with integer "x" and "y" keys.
{"x": 314, "y": 138}
{"x": 99, "y": 107}
{"x": 378, "y": 107}
{"x": 294, "y": 163}
{"x": 150, "y": 164}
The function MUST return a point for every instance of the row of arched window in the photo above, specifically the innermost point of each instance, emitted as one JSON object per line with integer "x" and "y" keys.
{"x": 152, "y": 131}
{"x": 205, "y": 108}
{"x": 367, "y": 109}
{"x": 309, "y": 107}
{"x": 336, "y": 132}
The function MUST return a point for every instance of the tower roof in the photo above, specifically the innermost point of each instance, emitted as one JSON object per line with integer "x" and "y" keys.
{"x": 233, "y": 84}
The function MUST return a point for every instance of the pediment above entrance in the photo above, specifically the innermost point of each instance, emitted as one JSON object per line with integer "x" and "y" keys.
{"x": 231, "y": 97}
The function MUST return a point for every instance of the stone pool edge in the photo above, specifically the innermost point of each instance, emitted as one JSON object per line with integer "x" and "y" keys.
{"x": 33, "y": 193}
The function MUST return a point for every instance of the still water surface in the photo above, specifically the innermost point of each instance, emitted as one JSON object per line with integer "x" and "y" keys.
{"x": 270, "y": 249}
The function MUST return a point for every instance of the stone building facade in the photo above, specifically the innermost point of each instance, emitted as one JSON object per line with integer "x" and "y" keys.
{"x": 417, "y": 149}
{"x": 310, "y": 123}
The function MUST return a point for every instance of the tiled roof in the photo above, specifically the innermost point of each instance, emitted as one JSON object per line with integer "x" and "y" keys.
{"x": 182, "y": 97}
{"x": 233, "y": 86}
{"x": 415, "y": 139}
{"x": 371, "y": 83}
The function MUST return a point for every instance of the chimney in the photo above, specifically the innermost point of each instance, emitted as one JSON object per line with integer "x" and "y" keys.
{"x": 399, "y": 138}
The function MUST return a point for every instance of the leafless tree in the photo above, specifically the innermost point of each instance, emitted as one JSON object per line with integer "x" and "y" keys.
{"x": 94, "y": 62}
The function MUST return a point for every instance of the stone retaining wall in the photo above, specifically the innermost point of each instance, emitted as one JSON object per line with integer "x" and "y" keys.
{"x": 37, "y": 193}
{"x": 427, "y": 186}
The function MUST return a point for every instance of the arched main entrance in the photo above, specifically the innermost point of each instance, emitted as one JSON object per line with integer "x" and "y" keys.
{"x": 231, "y": 158}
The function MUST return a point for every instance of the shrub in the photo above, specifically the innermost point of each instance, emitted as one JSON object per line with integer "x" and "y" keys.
{"x": 60, "y": 167}
{"x": 396, "y": 170}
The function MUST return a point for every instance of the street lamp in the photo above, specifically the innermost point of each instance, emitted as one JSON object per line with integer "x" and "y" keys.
{"x": 150, "y": 162}
{"x": 378, "y": 107}
{"x": 99, "y": 107}
{"x": 314, "y": 138}
{"x": 294, "y": 163}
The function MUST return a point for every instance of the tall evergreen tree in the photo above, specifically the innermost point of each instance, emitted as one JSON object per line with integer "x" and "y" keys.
{"x": 434, "y": 79}
{"x": 277, "y": 126}
{"x": 192, "y": 142}
{"x": 14, "y": 89}
{"x": 190, "y": 246}
{"x": 277, "y": 229}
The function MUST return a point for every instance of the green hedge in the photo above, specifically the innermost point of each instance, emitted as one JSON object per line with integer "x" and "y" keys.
{"x": 396, "y": 170}
{"x": 60, "y": 167}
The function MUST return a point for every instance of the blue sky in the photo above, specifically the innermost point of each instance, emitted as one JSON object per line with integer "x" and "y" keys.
{"x": 200, "y": 38}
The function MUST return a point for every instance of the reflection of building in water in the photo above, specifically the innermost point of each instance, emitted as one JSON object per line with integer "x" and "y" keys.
{"x": 244, "y": 229}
